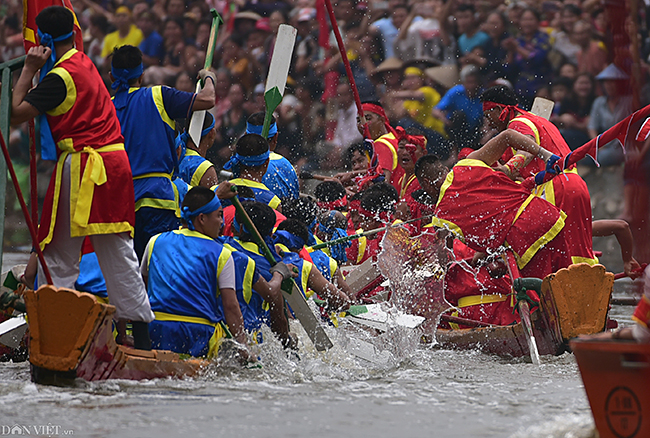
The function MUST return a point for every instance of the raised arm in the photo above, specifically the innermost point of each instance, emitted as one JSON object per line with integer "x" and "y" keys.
{"x": 494, "y": 149}
{"x": 621, "y": 230}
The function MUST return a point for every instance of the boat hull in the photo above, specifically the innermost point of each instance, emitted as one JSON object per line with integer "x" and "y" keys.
{"x": 71, "y": 336}
{"x": 616, "y": 375}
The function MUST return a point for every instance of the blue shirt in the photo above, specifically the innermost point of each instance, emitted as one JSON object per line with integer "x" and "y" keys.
{"x": 192, "y": 167}
{"x": 467, "y": 44}
{"x": 149, "y": 131}
{"x": 281, "y": 177}
{"x": 456, "y": 100}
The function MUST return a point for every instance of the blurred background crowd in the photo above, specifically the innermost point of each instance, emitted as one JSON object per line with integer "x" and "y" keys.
{"x": 426, "y": 61}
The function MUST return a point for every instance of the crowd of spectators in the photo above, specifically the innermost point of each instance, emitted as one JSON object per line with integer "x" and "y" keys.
{"x": 426, "y": 62}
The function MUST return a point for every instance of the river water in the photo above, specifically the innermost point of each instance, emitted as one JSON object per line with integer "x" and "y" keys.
{"x": 419, "y": 391}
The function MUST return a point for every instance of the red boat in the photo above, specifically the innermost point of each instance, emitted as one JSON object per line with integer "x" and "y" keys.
{"x": 616, "y": 375}
{"x": 71, "y": 336}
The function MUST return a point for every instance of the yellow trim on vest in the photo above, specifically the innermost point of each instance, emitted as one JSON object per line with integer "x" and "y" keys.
{"x": 333, "y": 267}
{"x": 547, "y": 190}
{"x": 530, "y": 124}
{"x": 67, "y": 55}
{"x": 200, "y": 171}
{"x": 390, "y": 147}
{"x": 71, "y": 92}
{"x": 156, "y": 93}
{"x": 577, "y": 259}
{"x": 543, "y": 240}
{"x": 523, "y": 206}
{"x": 274, "y": 203}
{"x": 304, "y": 277}
{"x": 475, "y": 300}
{"x": 162, "y": 316}
{"x": 161, "y": 204}
{"x": 154, "y": 175}
{"x": 150, "y": 245}
{"x": 274, "y": 156}
{"x": 449, "y": 225}
{"x": 249, "y": 273}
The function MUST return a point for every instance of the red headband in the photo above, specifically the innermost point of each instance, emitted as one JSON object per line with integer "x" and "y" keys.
{"x": 507, "y": 112}
{"x": 334, "y": 205}
{"x": 383, "y": 216}
{"x": 371, "y": 107}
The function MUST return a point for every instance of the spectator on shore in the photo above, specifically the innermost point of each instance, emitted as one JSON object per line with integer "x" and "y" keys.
{"x": 126, "y": 33}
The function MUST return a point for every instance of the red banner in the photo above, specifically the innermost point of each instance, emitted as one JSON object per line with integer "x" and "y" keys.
{"x": 31, "y": 9}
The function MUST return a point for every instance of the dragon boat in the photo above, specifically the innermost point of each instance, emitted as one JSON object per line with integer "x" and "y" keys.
{"x": 71, "y": 336}
{"x": 573, "y": 301}
{"x": 616, "y": 376}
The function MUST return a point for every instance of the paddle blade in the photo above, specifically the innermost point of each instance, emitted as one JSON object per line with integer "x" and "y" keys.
{"x": 307, "y": 319}
{"x": 542, "y": 107}
{"x": 282, "y": 52}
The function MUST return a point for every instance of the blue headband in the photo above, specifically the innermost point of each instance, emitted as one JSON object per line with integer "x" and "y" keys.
{"x": 288, "y": 239}
{"x": 257, "y": 129}
{"x": 122, "y": 76}
{"x": 47, "y": 41}
{"x": 237, "y": 160}
{"x": 207, "y": 130}
{"x": 48, "y": 147}
{"x": 188, "y": 215}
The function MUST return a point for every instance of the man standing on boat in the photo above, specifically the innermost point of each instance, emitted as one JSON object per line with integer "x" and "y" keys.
{"x": 151, "y": 146}
{"x": 569, "y": 192}
{"x": 91, "y": 191}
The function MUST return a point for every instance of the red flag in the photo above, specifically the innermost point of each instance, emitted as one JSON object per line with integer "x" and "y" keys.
{"x": 635, "y": 127}
{"x": 31, "y": 9}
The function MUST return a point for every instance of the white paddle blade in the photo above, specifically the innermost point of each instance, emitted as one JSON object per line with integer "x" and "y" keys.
{"x": 196, "y": 122}
{"x": 282, "y": 52}
{"x": 542, "y": 107}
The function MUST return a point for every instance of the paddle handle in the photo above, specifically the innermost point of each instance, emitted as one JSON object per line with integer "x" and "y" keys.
{"x": 250, "y": 226}
{"x": 212, "y": 41}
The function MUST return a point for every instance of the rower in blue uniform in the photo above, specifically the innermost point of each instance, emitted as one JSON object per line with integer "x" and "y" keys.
{"x": 147, "y": 119}
{"x": 186, "y": 271}
{"x": 248, "y": 165}
{"x": 193, "y": 168}
{"x": 280, "y": 177}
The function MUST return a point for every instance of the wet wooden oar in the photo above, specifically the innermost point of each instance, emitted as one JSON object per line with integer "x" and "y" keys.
{"x": 278, "y": 72}
{"x": 290, "y": 290}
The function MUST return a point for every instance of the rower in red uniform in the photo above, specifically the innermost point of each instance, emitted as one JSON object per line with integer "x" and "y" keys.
{"x": 487, "y": 210}
{"x": 411, "y": 148}
{"x": 569, "y": 192}
{"x": 385, "y": 141}
{"x": 91, "y": 190}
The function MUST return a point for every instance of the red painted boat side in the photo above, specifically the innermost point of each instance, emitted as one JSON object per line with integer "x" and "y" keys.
{"x": 616, "y": 375}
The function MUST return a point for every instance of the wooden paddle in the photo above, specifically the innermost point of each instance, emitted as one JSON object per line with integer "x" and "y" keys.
{"x": 542, "y": 107}
{"x": 524, "y": 311}
{"x": 278, "y": 72}
{"x": 196, "y": 123}
{"x": 366, "y": 233}
{"x": 290, "y": 291}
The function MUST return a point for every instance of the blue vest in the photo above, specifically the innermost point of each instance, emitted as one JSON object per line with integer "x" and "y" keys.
{"x": 149, "y": 139}
{"x": 192, "y": 167}
{"x": 324, "y": 263}
{"x": 250, "y": 302}
{"x": 90, "y": 278}
{"x": 281, "y": 178}
{"x": 261, "y": 192}
{"x": 181, "y": 188}
{"x": 183, "y": 269}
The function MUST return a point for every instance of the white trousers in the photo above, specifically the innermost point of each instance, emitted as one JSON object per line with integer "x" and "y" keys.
{"x": 117, "y": 260}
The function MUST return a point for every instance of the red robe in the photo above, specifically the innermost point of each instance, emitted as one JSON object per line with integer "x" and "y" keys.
{"x": 86, "y": 127}
{"x": 567, "y": 192}
{"x": 386, "y": 150}
{"x": 486, "y": 210}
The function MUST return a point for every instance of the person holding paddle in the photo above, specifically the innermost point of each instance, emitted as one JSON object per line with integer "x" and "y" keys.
{"x": 569, "y": 192}
{"x": 91, "y": 191}
{"x": 151, "y": 146}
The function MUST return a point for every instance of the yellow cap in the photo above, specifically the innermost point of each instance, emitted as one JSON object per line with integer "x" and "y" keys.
{"x": 413, "y": 71}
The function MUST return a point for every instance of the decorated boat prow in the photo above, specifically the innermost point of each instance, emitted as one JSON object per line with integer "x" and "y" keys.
{"x": 616, "y": 375}
{"x": 71, "y": 336}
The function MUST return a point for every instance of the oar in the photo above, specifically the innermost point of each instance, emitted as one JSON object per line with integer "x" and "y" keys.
{"x": 542, "y": 107}
{"x": 365, "y": 233}
{"x": 196, "y": 123}
{"x": 278, "y": 72}
{"x": 524, "y": 311}
{"x": 636, "y": 271}
{"x": 290, "y": 291}
{"x": 12, "y": 331}
{"x": 307, "y": 175}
